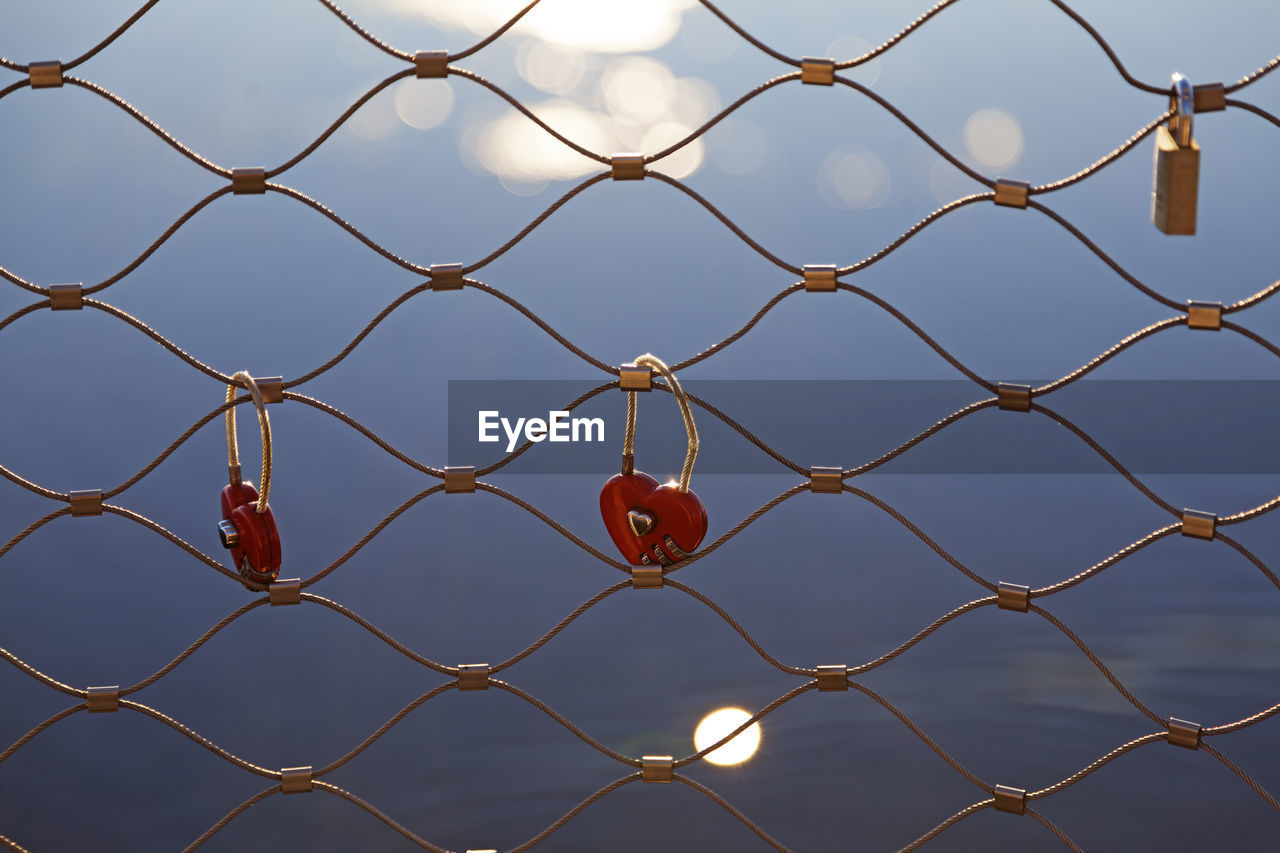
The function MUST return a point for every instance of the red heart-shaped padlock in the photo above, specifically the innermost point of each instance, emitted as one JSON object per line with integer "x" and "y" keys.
{"x": 651, "y": 524}
{"x": 251, "y": 536}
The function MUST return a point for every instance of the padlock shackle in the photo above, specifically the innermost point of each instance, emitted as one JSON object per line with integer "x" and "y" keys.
{"x": 690, "y": 428}
{"x": 1182, "y": 101}
{"x": 233, "y": 449}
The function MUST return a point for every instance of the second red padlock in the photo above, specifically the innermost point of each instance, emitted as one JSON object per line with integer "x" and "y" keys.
{"x": 248, "y": 527}
{"x": 251, "y": 536}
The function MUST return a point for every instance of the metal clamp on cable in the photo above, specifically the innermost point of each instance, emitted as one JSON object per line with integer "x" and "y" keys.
{"x": 1204, "y": 315}
{"x": 819, "y": 278}
{"x": 833, "y": 677}
{"x": 635, "y": 377}
{"x": 285, "y": 592}
{"x": 296, "y": 780}
{"x": 657, "y": 768}
{"x": 826, "y": 481}
{"x": 86, "y": 502}
{"x": 445, "y": 276}
{"x": 66, "y": 297}
{"x": 473, "y": 676}
{"x": 459, "y": 479}
{"x": 249, "y": 181}
{"x": 817, "y": 71}
{"x": 1011, "y": 800}
{"x": 1198, "y": 524}
{"x": 431, "y": 63}
{"x": 1209, "y": 97}
{"x": 646, "y": 577}
{"x": 271, "y": 388}
{"x": 1184, "y": 733}
{"x": 1012, "y": 596}
{"x": 45, "y": 75}
{"x": 103, "y": 699}
{"x": 1011, "y": 193}
{"x": 627, "y": 167}
{"x": 1012, "y": 397}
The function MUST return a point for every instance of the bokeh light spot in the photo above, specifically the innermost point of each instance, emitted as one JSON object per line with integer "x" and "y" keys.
{"x": 683, "y": 162}
{"x": 549, "y": 68}
{"x": 993, "y": 137}
{"x": 424, "y": 106}
{"x": 638, "y": 90}
{"x": 853, "y": 178}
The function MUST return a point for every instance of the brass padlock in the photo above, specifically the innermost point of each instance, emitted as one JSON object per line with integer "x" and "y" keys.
{"x": 1177, "y": 165}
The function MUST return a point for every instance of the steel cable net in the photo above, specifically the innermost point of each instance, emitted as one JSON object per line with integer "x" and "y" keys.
{"x": 809, "y": 677}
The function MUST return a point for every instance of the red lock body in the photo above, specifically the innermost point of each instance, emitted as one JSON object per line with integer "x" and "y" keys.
{"x": 629, "y": 502}
{"x": 256, "y": 553}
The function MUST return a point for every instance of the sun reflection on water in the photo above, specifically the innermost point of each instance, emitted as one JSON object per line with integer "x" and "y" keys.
{"x": 719, "y": 724}
{"x": 603, "y": 26}
{"x": 605, "y": 102}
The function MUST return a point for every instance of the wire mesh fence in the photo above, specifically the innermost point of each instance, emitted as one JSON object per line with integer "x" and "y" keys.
{"x": 805, "y": 676}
